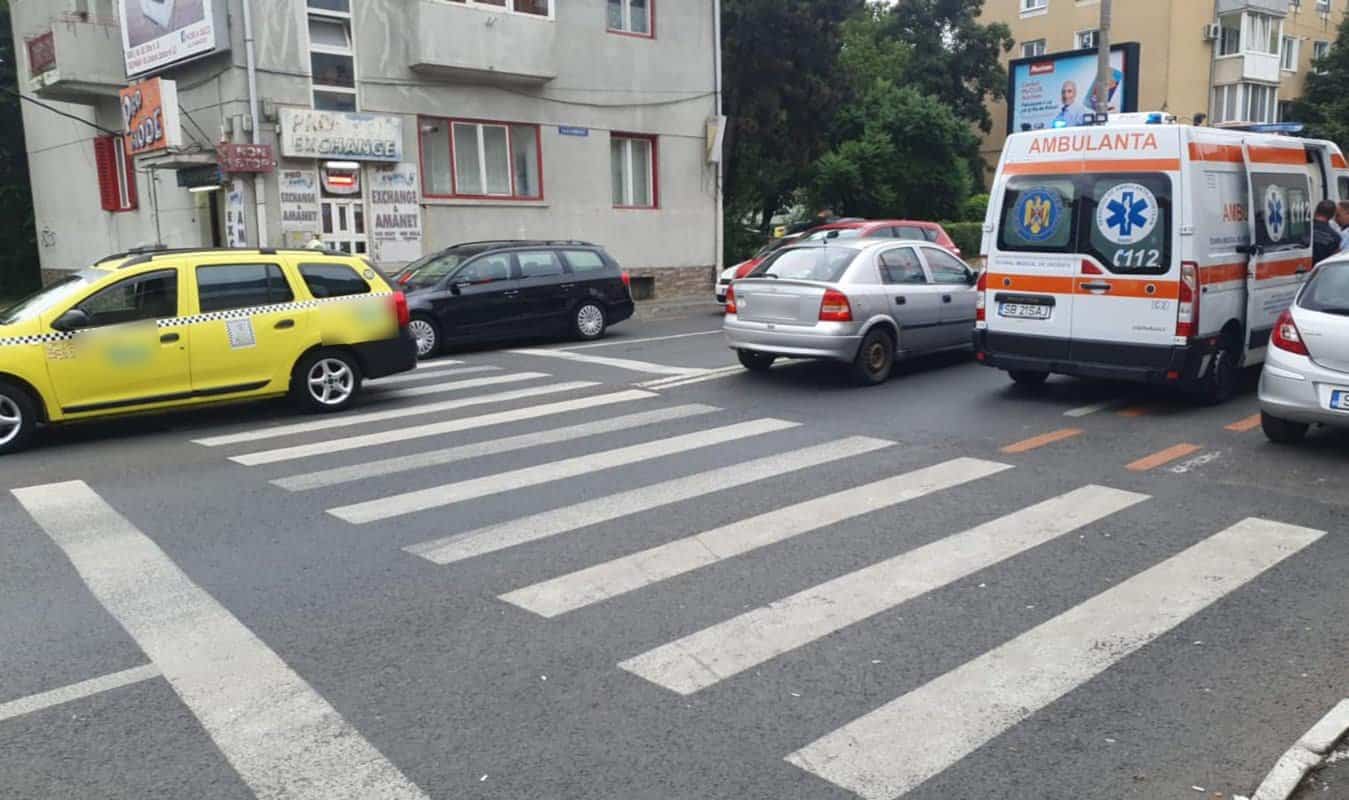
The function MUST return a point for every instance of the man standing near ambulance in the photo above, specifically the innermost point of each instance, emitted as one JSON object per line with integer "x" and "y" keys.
{"x": 1325, "y": 239}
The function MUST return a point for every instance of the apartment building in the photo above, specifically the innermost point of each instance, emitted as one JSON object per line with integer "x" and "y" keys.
{"x": 1209, "y": 61}
{"x": 389, "y": 128}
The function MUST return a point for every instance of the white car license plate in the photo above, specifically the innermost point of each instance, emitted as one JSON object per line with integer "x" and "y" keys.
{"x": 1024, "y": 310}
{"x": 1339, "y": 400}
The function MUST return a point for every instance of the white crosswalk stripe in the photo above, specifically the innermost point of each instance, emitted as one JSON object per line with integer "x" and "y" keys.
{"x": 536, "y": 527}
{"x": 417, "y": 375}
{"x": 963, "y": 709}
{"x": 717, "y": 653}
{"x": 458, "y": 386}
{"x": 402, "y": 412}
{"x": 448, "y": 494}
{"x": 635, "y": 571}
{"x": 450, "y": 455}
{"x": 617, "y": 363}
{"x": 279, "y": 734}
{"x": 396, "y": 435}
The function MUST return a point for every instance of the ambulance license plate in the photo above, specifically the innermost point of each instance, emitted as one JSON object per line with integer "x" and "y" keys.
{"x": 1024, "y": 310}
{"x": 1339, "y": 400}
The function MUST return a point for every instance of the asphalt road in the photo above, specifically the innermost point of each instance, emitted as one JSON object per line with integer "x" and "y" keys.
{"x": 633, "y": 571}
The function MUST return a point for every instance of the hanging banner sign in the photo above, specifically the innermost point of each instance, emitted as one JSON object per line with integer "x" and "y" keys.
{"x": 396, "y": 207}
{"x": 236, "y": 231}
{"x": 299, "y": 201}
{"x": 310, "y": 133}
{"x": 150, "y": 116}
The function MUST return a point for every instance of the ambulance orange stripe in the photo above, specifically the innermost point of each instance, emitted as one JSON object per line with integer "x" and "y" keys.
{"x": 1223, "y": 273}
{"x": 1157, "y": 290}
{"x": 1076, "y": 167}
{"x": 1278, "y": 155}
{"x": 1282, "y": 269}
{"x": 1051, "y": 284}
{"x": 1337, "y": 161}
{"x": 1228, "y": 153}
{"x": 1043, "y": 284}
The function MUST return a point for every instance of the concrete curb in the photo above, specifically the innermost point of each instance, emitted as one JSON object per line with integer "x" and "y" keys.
{"x": 1304, "y": 756}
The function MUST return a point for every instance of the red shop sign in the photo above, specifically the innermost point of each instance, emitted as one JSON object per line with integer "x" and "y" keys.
{"x": 245, "y": 157}
{"x": 41, "y": 53}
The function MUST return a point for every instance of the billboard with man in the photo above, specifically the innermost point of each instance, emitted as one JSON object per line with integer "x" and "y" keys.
{"x": 1056, "y": 90}
{"x": 156, "y": 33}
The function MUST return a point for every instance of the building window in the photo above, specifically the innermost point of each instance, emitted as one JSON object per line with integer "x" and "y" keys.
{"x": 1034, "y": 5}
{"x": 116, "y": 174}
{"x": 469, "y": 158}
{"x": 1323, "y": 7}
{"x": 635, "y": 17}
{"x": 1229, "y": 41}
{"x": 1260, "y": 103}
{"x": 1225, "y": 100}
{"x": 1286, "y": 112}
{"x": 1263, "y": 33}
{"x": 535, "y": 8}
{"x": 1033, "y": 48}
{"x": 1288, "y": 54}
{"x": 1319, "y": 51}
{"x": 634, "y": 172}
{"x": 332, "y": 59}
{"x": 1088, "y": 39}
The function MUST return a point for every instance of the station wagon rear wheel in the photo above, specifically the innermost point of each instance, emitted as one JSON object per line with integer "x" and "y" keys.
{"x": 427, "y": 336}
{"x": 327, "y": 380}
{"x": 589, "y": 322}
{"x": 18, "y": 418}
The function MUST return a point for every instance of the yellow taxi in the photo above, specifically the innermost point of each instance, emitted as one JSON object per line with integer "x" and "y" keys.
{"x": 173, "y": 328}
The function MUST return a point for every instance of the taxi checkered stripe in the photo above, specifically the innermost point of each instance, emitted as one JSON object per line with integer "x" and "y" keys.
{"x": 214, "y": 316}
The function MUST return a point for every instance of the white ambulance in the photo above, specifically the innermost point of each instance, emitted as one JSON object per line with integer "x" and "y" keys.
{"x": 1147, "y": 251}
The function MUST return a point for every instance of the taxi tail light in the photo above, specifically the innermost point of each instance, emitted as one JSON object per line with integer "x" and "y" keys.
{"x": 1187, "y": 305}
{"x": 730, "y": 299}
{"x": 1286, "y": 336}
{"x": 981, "y": 297}
{"x": 400, "y": 307}
{"x": 835, "y": 307}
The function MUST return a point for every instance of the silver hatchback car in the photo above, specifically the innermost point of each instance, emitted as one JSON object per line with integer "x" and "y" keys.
{"x": 863, "y": 303}
{"x": 1306, "y": 374}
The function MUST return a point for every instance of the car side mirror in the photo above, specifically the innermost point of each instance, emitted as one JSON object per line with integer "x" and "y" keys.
{"x": 72, "y": 320}
{"x": 971, "y": 277}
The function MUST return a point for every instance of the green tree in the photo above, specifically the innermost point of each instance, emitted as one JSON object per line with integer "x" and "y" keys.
{"x": 1324, "y": 106}
{"x": 19, "y": 272}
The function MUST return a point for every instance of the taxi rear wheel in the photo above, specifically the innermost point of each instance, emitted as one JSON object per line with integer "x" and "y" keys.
{"x": 18, "y": 418}
{"x": 326, "y": 380}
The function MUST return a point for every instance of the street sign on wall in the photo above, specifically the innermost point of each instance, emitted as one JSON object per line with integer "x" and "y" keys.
{"x": 245, "y": 157}
{"x": 150, "y": 116}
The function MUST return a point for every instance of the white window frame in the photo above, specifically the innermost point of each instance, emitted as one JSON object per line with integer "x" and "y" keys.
{"x": 344, "y": 18}
{"x": 1093, "y": 34}
{"x": 1323, "y": 7}
{"x": 652, "y": 174}
{"x": 1320, "y": 49}
{"x": 1259, "y": 32}
{"x": 627, "y": 30}
{"x": 508, "y": 8}
{"x": 1039, "y": 46}
{"x": 1033, "y": 7}
{"x": 1222, "y": 40}
{"x": 1289, "y": 50}
{"x": 479, "y": 125}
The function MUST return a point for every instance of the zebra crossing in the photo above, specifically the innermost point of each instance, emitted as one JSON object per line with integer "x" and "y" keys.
{"x": 958, "y": 711}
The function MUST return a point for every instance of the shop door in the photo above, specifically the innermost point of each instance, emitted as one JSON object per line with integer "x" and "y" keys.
{"x": 343, "y": 225}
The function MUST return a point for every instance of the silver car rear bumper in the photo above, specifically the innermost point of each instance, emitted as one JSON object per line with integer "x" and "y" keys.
{"x": 1294, "y": 388}
{"x": 836, "y": 341}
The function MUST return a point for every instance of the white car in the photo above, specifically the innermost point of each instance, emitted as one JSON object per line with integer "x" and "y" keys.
{"x": 1306, "y": 375}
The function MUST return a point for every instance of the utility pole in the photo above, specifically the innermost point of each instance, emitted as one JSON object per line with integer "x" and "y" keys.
{"x": 1103, "y": 69}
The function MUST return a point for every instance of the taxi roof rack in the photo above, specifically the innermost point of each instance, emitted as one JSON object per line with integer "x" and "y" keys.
{"x": 141, "y": 255}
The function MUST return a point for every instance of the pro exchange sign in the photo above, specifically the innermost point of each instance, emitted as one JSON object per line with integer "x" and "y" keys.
{"x": 308, "y": 133}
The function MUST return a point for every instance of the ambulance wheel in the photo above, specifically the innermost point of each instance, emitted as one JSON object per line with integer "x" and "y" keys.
{"x": 1220, "y": 383}
{"x": 18, "y": 418}
{"x": 1281, "y": 431}
{"x": 1028, "y": 377}
{"x": 875, "y": 358}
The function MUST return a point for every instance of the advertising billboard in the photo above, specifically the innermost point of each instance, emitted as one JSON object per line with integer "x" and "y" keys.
{"x": 1055, "y": 90}
{"x": 310, "y": 133}
{"x": 150, "y": 116}
{"x": 156, "y": 33}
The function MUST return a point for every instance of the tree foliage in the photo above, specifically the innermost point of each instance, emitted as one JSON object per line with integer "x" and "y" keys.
{"x": 18, "y": 236}
{"x": 1324, "y": 106}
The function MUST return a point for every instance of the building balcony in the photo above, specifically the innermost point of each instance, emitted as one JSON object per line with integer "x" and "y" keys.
{"x": 477, "y": 45}
{"x": 1278, "y": 8}
{"x": 1247, "y": 68}
{"x": 77, "y": 61}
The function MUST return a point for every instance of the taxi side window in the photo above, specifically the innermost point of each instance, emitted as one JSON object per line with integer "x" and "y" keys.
{"x": 945, "y": 267}
{"x": 333, "y": 280}
{"x": 145, "y": 297}
{"x": 901, "y": 266}
{"x": 229, "y": 286}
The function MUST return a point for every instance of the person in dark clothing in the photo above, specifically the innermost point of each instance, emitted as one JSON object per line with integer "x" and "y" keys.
{"x": 1325, "y": 239}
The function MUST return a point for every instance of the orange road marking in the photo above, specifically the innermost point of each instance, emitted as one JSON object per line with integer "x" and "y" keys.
{"x": 1136, "y": 411}
{"x": 1249, "y": 424}
{"x": 1042, "y": 440}
{"x": 1163, "y": 457}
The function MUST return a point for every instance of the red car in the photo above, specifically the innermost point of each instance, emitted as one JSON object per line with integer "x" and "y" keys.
{"x": 853, "y": 229}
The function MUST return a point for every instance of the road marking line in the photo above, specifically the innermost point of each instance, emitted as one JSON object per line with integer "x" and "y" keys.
{"x": 714, "y": 375}
{"x": 280, "y": 735}
{"x": 629, "y": 573}
{"x": 1036, "y": 442}
{"x": 457, "y": 386}
{"x": 77, "y": 691}
{"x": 1085, "y": 411}
{"x": 450, "y": 493}
{"x": 714, "y": 654}
{"x": 1248, "y": 424}
{"x": 435, "y": 458}
{"x": 965, "y": 708}
{"x": 661, "y": 383}
{"x": 1137, "y": 411}
{"x": 432, "y": 365}
{"x": 427, "y": 375}
{"x": 436, "y": 428}
{"x": 605, "y": 361}
{"x": 540, "y": 526}
{"x": 401, "y": 412}
{"x": 1163, "y": 457}
{"x": 617, "y": 342}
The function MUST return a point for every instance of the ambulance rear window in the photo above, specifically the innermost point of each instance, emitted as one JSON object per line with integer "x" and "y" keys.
{"x": 1038, "y": 213}
{"x": 1129, "y": 219}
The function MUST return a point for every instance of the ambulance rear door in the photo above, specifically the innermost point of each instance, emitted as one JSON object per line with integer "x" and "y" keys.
{"x": 1280, "y": 253}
